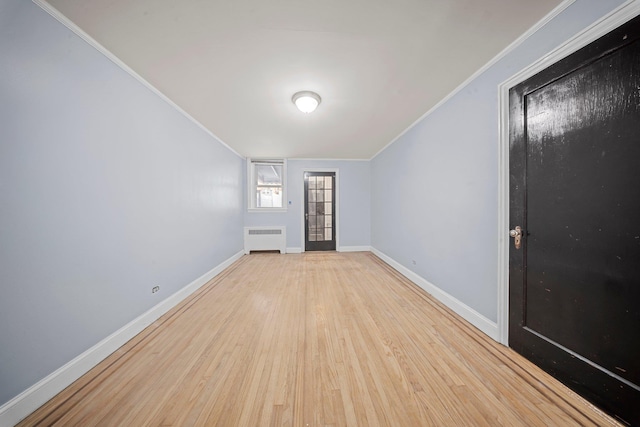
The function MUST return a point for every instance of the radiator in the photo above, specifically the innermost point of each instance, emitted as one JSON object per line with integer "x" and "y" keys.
{"x": 265, "y": 239}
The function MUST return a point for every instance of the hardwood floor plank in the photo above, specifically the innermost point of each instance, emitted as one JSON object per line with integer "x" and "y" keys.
{"x": 314, "y": 339}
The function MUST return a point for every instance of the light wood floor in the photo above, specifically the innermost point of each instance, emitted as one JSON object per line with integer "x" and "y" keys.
{"x": 318, "y": 339}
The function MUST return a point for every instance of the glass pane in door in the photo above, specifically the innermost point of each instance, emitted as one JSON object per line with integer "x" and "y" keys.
{"x": 320, "y": 211}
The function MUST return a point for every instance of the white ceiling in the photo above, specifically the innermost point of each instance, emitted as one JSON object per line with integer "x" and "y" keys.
{"x": 233, "y": 65}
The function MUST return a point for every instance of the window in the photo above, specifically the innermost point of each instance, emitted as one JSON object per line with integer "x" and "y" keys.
{"x": 267, "y": 185}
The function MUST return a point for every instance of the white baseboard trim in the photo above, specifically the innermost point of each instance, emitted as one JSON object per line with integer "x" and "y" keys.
{"x": 354, "y": 249}
{"x": 469, "y": 314}
{"x": 340, "y": 249}
{"x": 35, "y": 396}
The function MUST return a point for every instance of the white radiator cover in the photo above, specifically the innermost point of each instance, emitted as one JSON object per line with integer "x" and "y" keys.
{"x": 272, "y": 238}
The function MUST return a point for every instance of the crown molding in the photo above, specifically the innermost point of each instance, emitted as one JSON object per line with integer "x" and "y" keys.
{"x": 56, "y": 14}
{"x": 544, "y": 21}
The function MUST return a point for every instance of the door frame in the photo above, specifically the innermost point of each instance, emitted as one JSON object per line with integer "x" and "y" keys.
{"x": 606, "y": 24}
{"x": 336, "y": 220}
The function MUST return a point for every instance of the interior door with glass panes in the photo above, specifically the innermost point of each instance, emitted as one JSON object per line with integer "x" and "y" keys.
{"x": 319, "y": 211}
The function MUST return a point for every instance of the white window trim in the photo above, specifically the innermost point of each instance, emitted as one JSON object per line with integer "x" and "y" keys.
{"x": 251, "y": 186}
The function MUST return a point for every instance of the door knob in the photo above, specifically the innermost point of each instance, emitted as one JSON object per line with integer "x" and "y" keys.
{"x": 516, "y": 233}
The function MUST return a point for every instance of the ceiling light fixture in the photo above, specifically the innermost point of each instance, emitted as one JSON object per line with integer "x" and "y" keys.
{"x": 306, "y": 101}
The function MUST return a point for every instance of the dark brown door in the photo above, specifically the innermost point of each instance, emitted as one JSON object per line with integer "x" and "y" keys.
{"x": 320, "y": 211}
{"x": 575, "y": 192}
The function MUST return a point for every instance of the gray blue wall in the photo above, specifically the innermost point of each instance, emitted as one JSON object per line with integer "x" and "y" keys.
{"x": 105, "y": 191}
{"x": 435, "y": 190}
{"x": 354, "y": 185}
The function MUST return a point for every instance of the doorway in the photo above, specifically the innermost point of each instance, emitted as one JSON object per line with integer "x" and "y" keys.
{"x": 574, "y": 260}
{"x": 320, "y": 211}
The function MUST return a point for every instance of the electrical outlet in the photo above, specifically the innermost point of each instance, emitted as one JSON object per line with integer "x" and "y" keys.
{"x": 155, "y": 289}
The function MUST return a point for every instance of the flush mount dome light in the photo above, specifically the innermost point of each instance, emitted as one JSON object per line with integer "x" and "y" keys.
{"x": 306, "y": 101}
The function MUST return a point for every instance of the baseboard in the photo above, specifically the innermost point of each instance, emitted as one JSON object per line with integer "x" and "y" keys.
{"x": 354, "y": 249}
{"x": 469, "y": 314}
{"x": 340, "y": 249}
{"x": 35, "y": 396}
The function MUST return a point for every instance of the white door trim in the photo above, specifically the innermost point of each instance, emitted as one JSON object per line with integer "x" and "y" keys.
{"x": 337, "y": 203}
{"x": 606, "y": 24}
